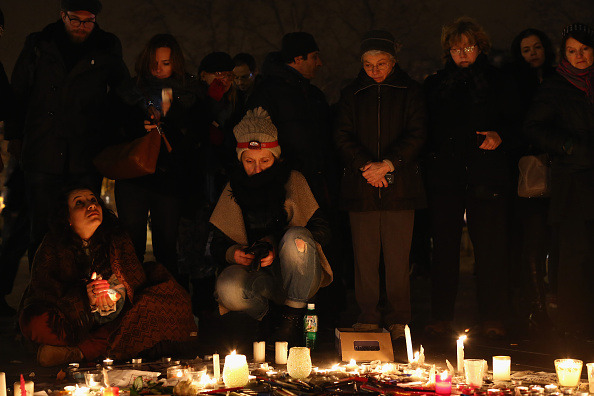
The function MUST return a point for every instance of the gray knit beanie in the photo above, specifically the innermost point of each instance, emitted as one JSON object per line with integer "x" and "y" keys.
{"x": 378, "y": 40}
{"x": 256, "y": 131}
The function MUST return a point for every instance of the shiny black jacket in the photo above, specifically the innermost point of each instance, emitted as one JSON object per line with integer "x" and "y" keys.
{"x": 62, "y": 113}
{"x": 378, "y": 121}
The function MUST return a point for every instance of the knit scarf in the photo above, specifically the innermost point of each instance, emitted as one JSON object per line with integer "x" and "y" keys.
{"x": 580, "y": 78}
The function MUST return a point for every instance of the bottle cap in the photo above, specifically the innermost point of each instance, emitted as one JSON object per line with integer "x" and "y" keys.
{"x": 311, "y": 307}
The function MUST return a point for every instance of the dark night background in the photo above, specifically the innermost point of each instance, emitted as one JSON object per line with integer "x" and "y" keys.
{"x": 256, "y": 26}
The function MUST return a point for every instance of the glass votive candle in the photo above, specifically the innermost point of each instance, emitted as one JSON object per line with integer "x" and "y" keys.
{"x": 94, "y": 379}
{"x": 474, "y": 370}
{"x": 175, "y": 372}
{"x": 235, "y": 372}
{"x": 299, "y": 362}
{"x": 590, "y": 368}
{"x": 568, "y": 371}
{"x": 501, "y": 368}
{"x": 443, "y": 384}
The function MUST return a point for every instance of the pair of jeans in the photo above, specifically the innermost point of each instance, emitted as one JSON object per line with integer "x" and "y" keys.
{"x": 295, "y": 276}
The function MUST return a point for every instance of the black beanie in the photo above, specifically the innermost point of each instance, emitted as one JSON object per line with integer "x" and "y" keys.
{"x": 92, "y": 6}
{"x": 579, "y": 31}
{"x": 216, "y": 62}
{"x": 297, "y": 44}
{"x": 378, "y": 40}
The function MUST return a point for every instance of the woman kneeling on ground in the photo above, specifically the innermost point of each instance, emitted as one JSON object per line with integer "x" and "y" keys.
{"x": 89, "y": 296}
{"x": 267, "y": 203}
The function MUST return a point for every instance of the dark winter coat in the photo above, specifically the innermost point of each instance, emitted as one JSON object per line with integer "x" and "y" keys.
{"x": 301, "y": 114}
{"x": 460, "y": 102}
{"x": 62, "y": 114}
{"x": 378, "y": 121}
{"x": 561, "y": 115}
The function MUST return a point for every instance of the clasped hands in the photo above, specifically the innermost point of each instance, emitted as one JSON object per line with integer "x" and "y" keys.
{"x": 97, "y": 291}
{"x": 375, "y": 173}
{"x": 242, "y": 258}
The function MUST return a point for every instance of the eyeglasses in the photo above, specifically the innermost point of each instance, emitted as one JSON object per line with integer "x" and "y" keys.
{"x": 245, "y": 77}
{"x": 77, "y": 22}
{"x": 467, "y": 50}
{"x": 381, "y": 66}
{"x": 224, "y": 75}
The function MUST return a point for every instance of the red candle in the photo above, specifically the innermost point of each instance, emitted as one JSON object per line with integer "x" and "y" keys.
{"x": 111, "y": 391}
{"x": 443, "y": 384}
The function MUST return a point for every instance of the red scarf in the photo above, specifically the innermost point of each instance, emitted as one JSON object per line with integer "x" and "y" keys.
{"x": 580, "y": 78}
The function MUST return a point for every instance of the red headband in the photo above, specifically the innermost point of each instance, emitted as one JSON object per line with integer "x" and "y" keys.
{"x": 256, "y": 145}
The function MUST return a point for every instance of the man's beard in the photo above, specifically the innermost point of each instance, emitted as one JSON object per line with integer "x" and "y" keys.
{"x": 78, "y": 38}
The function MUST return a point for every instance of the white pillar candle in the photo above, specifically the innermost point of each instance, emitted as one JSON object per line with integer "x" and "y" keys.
{"x": 460, "y": 353}
{"x": 409, "y": 349}
{"x": 259, "y": 351}
{"x": 590, "y": 367}
{"x": 2, "y": 384}
{"x": 501, "y": 368}
{"x": 280, "y": 352}
{"x": 216, "y": 366}
{"x": 29, "y": 388}
{"x": 235, "y": 372}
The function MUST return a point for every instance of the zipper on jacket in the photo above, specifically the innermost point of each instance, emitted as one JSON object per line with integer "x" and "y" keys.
{"x": 379, "y": 132}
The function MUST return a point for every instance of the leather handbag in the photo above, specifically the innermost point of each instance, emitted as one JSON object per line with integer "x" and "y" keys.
{"x": 131, "y": 159}
{"x": 535, "y": 176}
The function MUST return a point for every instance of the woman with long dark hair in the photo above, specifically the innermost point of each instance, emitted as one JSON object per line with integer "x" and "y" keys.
{"x": 89, "y": 296}
{"x": 561, "y": 123}
{"x": 161, "y": 80}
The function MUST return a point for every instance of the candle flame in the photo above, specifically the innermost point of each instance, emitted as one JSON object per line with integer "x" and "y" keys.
{"x": 353, "y": 362}
{"x": 233, "y": 353}
{"x": 462, "y": 337}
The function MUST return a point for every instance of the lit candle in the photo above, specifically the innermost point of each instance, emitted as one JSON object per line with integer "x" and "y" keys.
{"x": 216, "y": 366}
{"x": 175, "y": 372}
{"x": 107, "y": 362}
{"x": 352, "y": 366}
{"x": 82, "y": 391}
{"x": 235, "y": 371}
{"x": 111, "y": 391}
{"x": 280, "y": 352}
{"x": 259, "y": 351}
{"x": 569, "y": 371}
{"x": 443, "y": 384}
{"x": 29, "y": 388}
{"x": 2, "y": 384}
{"x": 501, "y": 368}
{"x": 460, "y": 353}
{"x": 409, "y": 350}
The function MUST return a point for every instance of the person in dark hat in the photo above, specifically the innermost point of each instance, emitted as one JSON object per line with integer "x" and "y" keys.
{"x": 61, "y": 81}
{"x": 379, "y": 144}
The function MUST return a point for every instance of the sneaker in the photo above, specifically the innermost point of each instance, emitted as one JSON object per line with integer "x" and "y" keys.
{"x": 365, "y": 327}
{"x": 396, "y": 331}
{"x": 49, "y": 355}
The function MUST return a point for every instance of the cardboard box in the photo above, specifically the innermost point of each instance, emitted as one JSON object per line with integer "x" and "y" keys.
{"x": 363, "y": 347}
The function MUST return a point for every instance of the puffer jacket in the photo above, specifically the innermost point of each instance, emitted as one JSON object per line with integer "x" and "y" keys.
{"x": 62, "y": 113}
{"x": 378, "y": 121}
{"x": 561, "y": 122}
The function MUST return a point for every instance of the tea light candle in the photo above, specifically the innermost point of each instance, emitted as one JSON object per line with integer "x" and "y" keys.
{"x": 460, "y": 353}
{"x": 82, "y": 391}
{"x": 235, "y": 372}
{"x": 280, "y": 352}
{"x": 443, "y": 384}
{"x": 2, "y": 384}
{"x": 136, "y": 361}
{"x": 175, "y": 372}
{"x": 569, "y": 371}
{"x": 70, "y": 389}
{"x": 111, "y": 391}
{"x": 259, "y": 351}
{"x": 29, "y": 388}
{"x": 216, "y": 366}
{"x": 551, "y": 388}
{"x": 107, "y": 362}
{"x": 501, "y": 368}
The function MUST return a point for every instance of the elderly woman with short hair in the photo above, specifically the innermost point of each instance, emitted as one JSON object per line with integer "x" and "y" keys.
{"x": 379, "y": 133}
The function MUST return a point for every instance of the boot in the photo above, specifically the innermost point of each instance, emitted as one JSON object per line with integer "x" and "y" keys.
{"x": 290, "y": 327}
{"x": 538, "y": 320}
{"x": 49, "y": 355}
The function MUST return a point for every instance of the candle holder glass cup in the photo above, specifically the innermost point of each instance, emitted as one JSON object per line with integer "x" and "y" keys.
{"x": 299, "y": 362}
{"x": 569, "y": 372}
{"x": 474, "y": 370}
{"x": 94, "y": 379}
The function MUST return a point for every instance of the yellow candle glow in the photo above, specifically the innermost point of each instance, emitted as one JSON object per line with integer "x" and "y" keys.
{"x": 501, "y": 368}
{"x": 569, "y": 371}
{"x": 235, "y": 371}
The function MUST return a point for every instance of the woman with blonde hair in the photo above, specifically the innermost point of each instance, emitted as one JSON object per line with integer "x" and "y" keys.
{"x": 470, "y": 114}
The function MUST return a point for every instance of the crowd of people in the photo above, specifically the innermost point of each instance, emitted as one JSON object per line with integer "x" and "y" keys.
{"x": 238, "y": 225}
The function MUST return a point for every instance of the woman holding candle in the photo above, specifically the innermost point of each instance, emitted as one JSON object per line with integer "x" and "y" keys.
{"x": 89, "y": 296}
{"x": 268, "y": 232}
{"x": 380, "y": 129}
{"x": 561, "y": 122}
{"x": 471, "y": 117}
